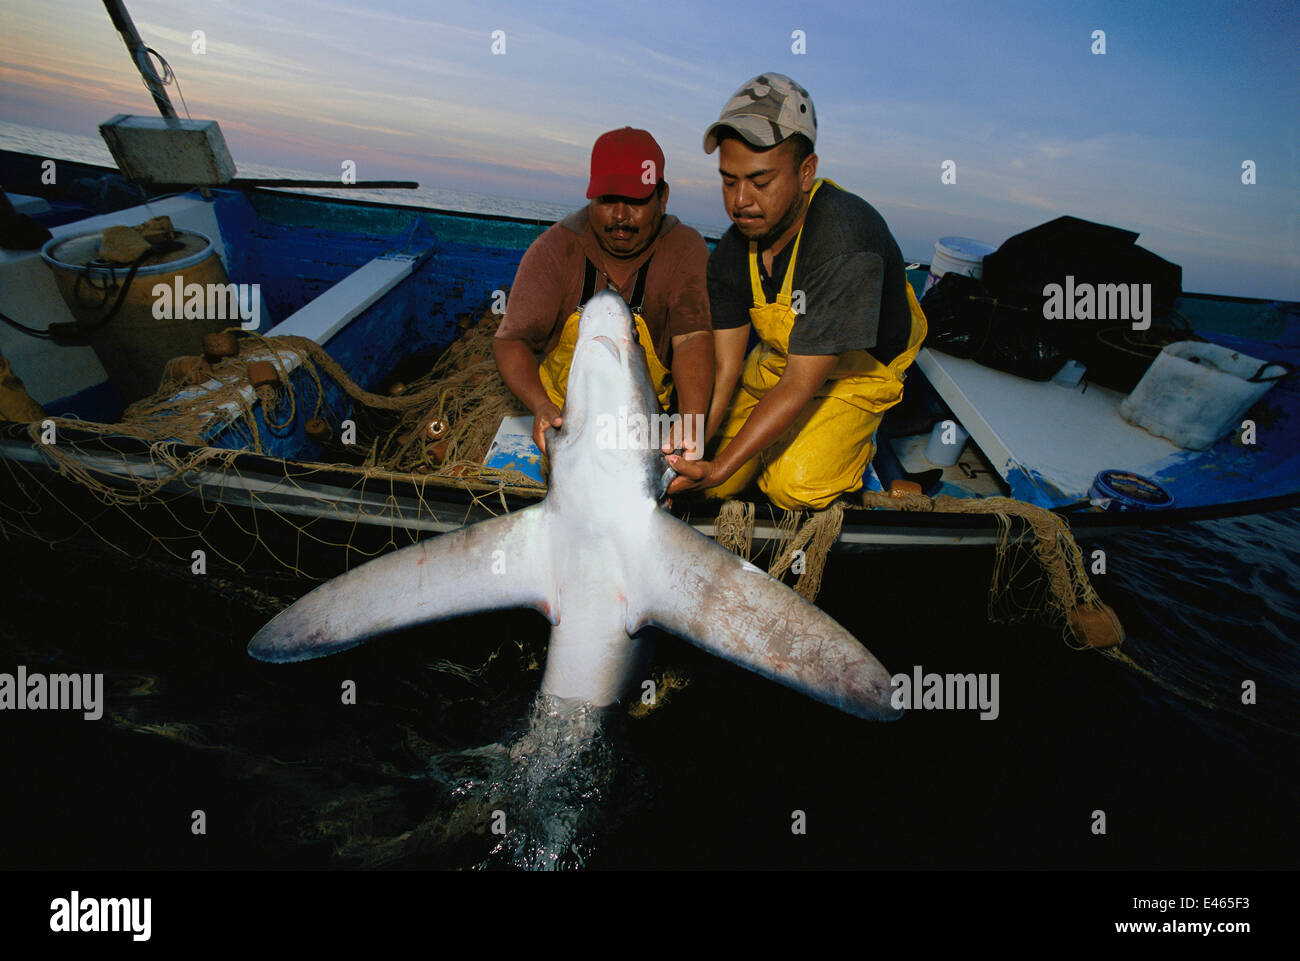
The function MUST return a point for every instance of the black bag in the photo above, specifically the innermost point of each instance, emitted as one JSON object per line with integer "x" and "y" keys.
{"x": 1092, "y": 253}
{"x": 964, "y": 320}
{"x": 1026, "y": 343}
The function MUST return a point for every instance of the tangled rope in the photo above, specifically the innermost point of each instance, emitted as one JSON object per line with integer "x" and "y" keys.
{"x": 1059, "y": 587}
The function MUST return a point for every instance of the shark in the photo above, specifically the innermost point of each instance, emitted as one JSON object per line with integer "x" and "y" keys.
{"x": 601, "y": 559}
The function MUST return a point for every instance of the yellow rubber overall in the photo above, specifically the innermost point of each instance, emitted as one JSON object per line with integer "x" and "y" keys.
{"x": 826, "y": 450}
{"x": 555, "y": 365}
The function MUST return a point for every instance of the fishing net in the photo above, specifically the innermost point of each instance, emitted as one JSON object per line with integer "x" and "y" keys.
{"x": 249, "y": 397}
{"x": 1038, "y": 568}
{"x": 450, "y": 436}
{"x": 1039, "y": 572}
{"x": 804, "y": 549}
{"x": 734, "y": 527}
{"x": 435, "y": 431}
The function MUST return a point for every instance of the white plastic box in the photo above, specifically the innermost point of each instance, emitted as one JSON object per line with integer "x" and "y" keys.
{"x": 162, "y": 150}
{"x": 1194, "y": 393}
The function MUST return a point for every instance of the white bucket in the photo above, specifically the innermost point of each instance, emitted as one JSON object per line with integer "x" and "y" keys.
{"x": 959, "y": 255}
{"x": 941, "y": 450}
{"x": 1194, "y": 393}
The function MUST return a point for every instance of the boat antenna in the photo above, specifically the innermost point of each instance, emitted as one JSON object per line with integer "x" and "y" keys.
{"x": 140, "y": 54}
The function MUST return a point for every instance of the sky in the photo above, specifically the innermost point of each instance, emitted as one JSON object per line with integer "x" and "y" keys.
{"x": 1150, "y": 135}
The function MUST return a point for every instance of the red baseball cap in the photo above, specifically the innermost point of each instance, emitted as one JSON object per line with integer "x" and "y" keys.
{"x": 625, "y": 163}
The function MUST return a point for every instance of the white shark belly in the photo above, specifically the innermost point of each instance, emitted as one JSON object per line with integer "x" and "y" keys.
{"x": 591, "y": 656}
{"x": 592, "y": 660}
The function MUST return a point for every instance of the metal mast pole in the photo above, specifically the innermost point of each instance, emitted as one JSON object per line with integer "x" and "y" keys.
{"x": 140, "y": 54}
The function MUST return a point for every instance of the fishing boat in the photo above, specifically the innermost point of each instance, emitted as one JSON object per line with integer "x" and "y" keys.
{"x": 375, "y": 283}
{"x": 361, "y": 287}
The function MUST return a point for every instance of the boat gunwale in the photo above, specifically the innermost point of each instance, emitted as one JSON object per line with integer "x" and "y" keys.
{"x": 466, "y": 492}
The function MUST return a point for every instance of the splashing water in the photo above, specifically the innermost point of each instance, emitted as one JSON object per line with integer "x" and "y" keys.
{"x": 550, "y": 795}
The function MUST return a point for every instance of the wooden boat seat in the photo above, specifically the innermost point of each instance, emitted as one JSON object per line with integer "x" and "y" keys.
{"x": 1047, "y": 442}
{"x": 332, "y": 310}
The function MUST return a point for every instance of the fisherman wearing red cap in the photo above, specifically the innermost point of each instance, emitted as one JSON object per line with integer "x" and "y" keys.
{"x": 814, "y": 272}
{"x": 624, "y": 241}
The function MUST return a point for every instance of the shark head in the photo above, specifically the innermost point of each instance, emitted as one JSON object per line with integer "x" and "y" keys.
{"x": 608, "y": 369}
{"x": 613, "y": 426}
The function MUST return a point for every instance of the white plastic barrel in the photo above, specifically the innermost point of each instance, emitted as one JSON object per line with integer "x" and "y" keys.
{"x": 136, "y": 344}
{"x": 957, "y": 255}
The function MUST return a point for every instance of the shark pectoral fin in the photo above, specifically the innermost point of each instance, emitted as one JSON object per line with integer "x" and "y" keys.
{"x": 727, "y": 606}
{"x": 499, "y": 563}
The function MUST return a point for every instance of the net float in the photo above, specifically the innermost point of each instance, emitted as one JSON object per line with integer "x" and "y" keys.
{"x": 220, "y": 345}
{"x": 318, "y": 430}
{"x": 1097, "y": 628}
{"x": 262, "y": 373}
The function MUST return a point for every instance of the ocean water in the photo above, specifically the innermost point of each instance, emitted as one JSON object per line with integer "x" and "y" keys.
{"x": 446, "y": 739}
{"x": 90, "y": 148}
{"x": 448, "y": 760}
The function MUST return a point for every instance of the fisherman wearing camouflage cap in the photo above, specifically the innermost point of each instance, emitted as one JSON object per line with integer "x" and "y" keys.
{"x": 622, "y": 240}
{"x": 815, "y": 272}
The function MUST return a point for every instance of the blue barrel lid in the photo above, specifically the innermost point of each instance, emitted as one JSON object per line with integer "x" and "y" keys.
{"x": 1127, "y": 491}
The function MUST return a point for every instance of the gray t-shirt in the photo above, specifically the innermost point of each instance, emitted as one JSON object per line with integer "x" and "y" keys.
{"x": 849, "y": 269}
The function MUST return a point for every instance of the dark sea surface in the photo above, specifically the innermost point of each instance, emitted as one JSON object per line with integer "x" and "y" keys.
{"x": 445, "y": 742}
{"x": 411, "y": 775}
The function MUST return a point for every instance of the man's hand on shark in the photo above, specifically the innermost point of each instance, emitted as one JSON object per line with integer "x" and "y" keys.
{"x": 682, "y": 441}
{"x": 691, "y": 474}
{"x": 547, "y": 415}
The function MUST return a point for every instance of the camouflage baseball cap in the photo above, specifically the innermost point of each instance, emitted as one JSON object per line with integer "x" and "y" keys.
{"x": 765, "y": 111}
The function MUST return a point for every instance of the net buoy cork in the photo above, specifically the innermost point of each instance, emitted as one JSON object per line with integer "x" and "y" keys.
{"x": 218, "y": 346}
{"x": 193, "y": 370}
{"x": 318, "y": 430}
{"x": 1099, "y": 627}
{"x": 262, "y": 373}
{"x": 436, "y": 429}
{"x": 190, "y": 371}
